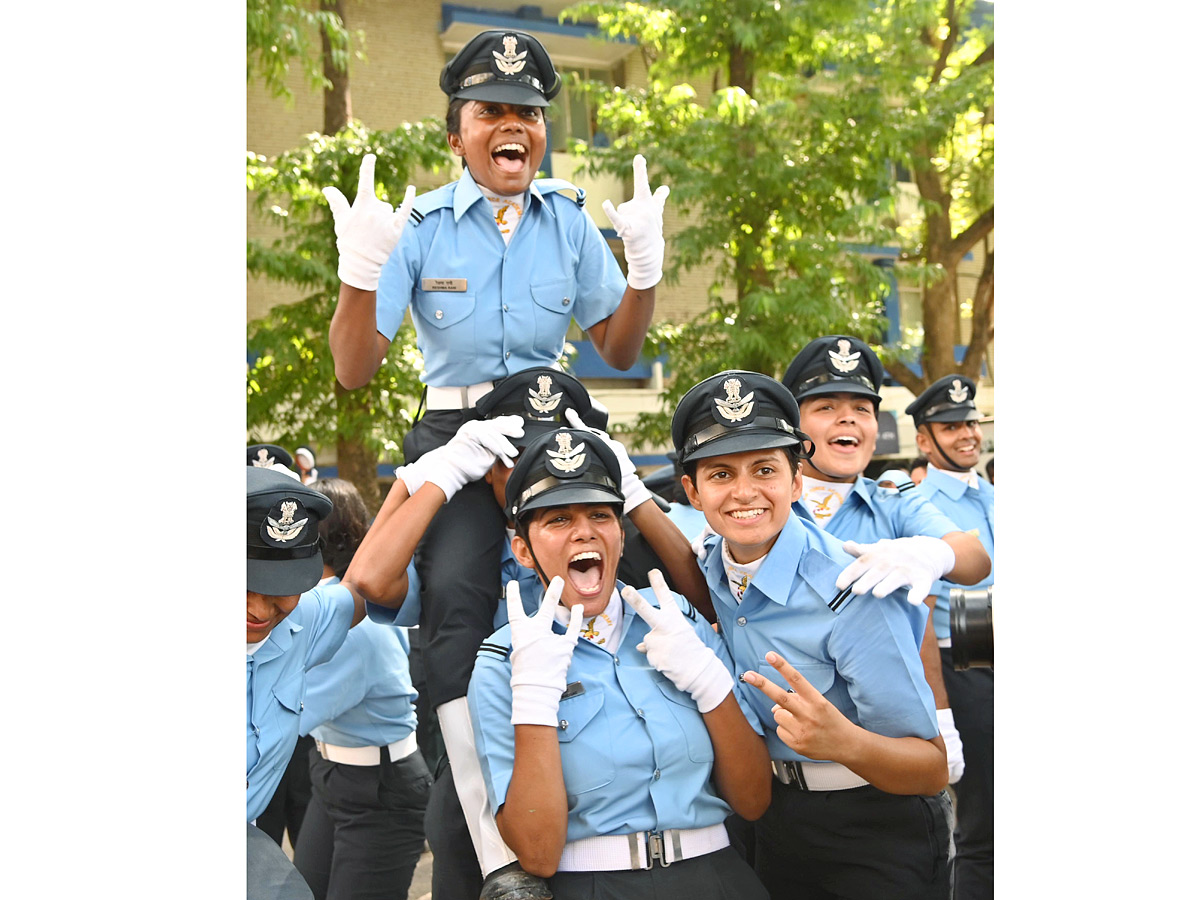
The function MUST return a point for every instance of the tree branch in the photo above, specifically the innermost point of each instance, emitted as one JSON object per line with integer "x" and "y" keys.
{"x": 988, "y": 55}
{"x": 974, "y": 233}
{"x": 906, "y": 377}
{"x": 947, "y": 44}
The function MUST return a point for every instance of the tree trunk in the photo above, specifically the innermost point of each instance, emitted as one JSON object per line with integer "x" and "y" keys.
{"x": 356, "y": 463}
{"x": 337, "y": 98}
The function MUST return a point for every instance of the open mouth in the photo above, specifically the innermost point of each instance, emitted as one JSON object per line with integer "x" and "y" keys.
{"x": 747, "y": 514}
{"x": 510, "y": 157}
{"x": 586, "y": 572}
{"x": 847, "y": 441}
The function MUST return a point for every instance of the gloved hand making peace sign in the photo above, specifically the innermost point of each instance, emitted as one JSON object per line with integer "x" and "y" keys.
{"x": 674, "y": 648}
{"x": 639, "y": 224}
{"x": 540, "y": 656}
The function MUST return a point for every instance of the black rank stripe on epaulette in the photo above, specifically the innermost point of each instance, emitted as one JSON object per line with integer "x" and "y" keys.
{"x": 690, "y": 612}
{"x": 842, "y": 596}
{"x": 580, "y": 197}
{"x": 416, "y": 217}
{"x": 497, "y": 650}
{"x": 907, "y": 486}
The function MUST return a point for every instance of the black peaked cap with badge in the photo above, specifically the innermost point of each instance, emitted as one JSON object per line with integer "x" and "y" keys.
{"x": 282, "y": 554}
{"x": 949, "y": 399}
{"x": 835, "y": 364}
{"x": 563, "y": 467}
{"x": 541, "y": 396}
{"x": 266, "y": 455}
{"x": 735, "y": 411}
{"x": 504, "y": 67}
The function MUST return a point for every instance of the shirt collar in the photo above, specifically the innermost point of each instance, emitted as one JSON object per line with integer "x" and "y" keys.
{"x": 467, "y": 194}
{"x": 945, "y": 482}
{"x": 773, "y": 580}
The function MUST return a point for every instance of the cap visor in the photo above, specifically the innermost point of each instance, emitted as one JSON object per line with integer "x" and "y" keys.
{"x": 955, "y": 415}
{"x": 283, "y": 577}
{"x": 840, "y": 387}
{"x": 503, "y": 92}
{"x": 569, "y": 493}
{"x": 739, "y": 443}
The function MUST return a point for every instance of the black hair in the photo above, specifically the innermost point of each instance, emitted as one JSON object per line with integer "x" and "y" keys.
{"x": 454, "y": 116}
{"x": 990, "y": 467}
{"x": 343, "y": 529}
{"x": 793, "y": 452}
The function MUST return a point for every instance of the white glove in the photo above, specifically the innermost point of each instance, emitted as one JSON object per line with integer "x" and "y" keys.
{"x": 465, "y": 457}
{"x": 540, "y": 657}
{"x": 639, "y": 224}
{"x": 698, "y": 543}
{"x": 894, "y": 562}
{"x": 673, "y": 647}
{"x": 368, "y": 231}
{"x": 954, "y": 754}
{"x": 635, "y": 492}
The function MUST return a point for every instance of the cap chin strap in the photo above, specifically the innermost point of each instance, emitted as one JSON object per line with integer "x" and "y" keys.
{"x": 945, "y": 456}
{"x": 523, "y": 531}
{"x": 809, "y": 460}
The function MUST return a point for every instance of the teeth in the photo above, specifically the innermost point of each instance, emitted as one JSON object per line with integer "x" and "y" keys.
{"x": 517, "y": 147}
{"x": 846, "y": 440}
{"x": 587, "y": 554}
{"x": 746, "y": 513}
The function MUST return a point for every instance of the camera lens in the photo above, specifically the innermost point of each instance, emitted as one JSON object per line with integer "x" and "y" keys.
{"x": 971, "y": 627}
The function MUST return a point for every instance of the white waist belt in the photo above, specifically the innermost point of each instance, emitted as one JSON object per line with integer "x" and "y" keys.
{"x": 943, "y": 642}
{"x": 611, "y": 852}
{"x": 455, "y": 397}
{"x": 367, "y": 756}
{"x": 816, "y": 776}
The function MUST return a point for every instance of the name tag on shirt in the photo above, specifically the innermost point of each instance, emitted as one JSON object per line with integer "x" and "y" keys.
{"x": 457, "y": 285}
{"x": 574, "y": 689}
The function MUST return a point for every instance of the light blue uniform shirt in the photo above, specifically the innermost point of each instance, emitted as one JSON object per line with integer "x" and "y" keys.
{"x": 687, "y": 519}
{"x": 636, "y": 755}
{"x": 871, "y": 513}
{"x": 863, "y": 658}
{"x": 518, "y": 300}
{"x": 363, "y": 697}
{"x": 973, "y": 511}
{"x": 275, "y": 677}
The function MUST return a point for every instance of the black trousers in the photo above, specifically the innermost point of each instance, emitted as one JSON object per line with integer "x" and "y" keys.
{"x": 364, "y": 830}
{"x": 857, "y": 844}
{"x": 456, "y": 873}
{"x": 722, "y": 875}
{"x": 458, "y": 560}
{"x": 290, "y": 800}
{"x": 971, "y": 694}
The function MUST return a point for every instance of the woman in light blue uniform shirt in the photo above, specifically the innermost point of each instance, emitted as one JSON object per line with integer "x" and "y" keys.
{"x": 364, "y": 829}
{"x": 858, "y": 806}
{"x": 612, "y": 761}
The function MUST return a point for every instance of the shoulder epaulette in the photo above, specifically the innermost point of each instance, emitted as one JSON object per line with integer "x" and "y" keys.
{"x": 841, "y": 597}
{"x": 689, "y": 610}
{"x": 499, "y": 651}
{"x": 551, "y": 185}
{"x": 424, "y": 204}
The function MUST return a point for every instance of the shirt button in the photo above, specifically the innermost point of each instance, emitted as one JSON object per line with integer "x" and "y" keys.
{"x": 506, "y": 307}
{"x": 563, "y": 724}
{"x": 507, "y": 354}
{"x": 438, "y": 314}
{"x": 640, "y": 714}
{"x": 657, "y": 774}
{"x": 301, "y": 704}
{"x": 617, "y": 660}
{"x": 256, "y": 731}
{"x": 741, "y": 620}
{"x": 566, "y": 301}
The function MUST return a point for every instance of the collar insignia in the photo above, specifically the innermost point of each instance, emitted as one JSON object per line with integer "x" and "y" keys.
{"x": 958, "y": 392}
{"x": 285, "y": 528}
{"x": 263, "y": 461}
{"x": 566, "y": 458}
{"x": 844, "y": 360}
{"x": 542, "y": 400}
{"x": 734, "y": 407}
{"x": 510, "y": 62}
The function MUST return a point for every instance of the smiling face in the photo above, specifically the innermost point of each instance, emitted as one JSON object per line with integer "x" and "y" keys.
{"x": 843, "y": 428}
{"x": 264, "y": 612}
{"x": 960, "y": 441}
{"x": 502, "y": 143}
{"x": 746, "y": 498}
{"x": 582, "y": 543}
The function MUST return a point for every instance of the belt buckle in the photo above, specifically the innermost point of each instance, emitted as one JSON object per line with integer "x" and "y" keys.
{"x": 795, "y": 775}
{"x": 656, "y": 849}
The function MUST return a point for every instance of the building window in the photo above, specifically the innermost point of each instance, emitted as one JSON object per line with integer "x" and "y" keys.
{"x": 572, "y": 114}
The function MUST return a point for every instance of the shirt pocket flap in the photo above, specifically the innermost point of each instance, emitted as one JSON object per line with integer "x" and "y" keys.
{"x": 289, "y": 691}
{"x": 816, "y": 672}
{"x": 557, "y": 295}
{"x": 441, "y": 309}
{"x": 574, "y": 713}
{"x": 672, "y": 693}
